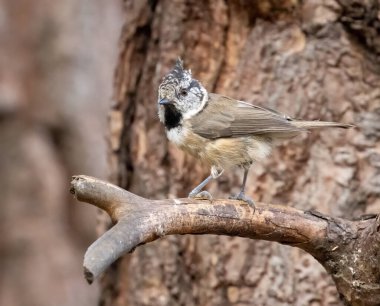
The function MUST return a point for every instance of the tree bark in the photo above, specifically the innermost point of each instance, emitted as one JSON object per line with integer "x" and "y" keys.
{"x": 310, "y": 60}
{"x": 56, "y": 62}
{"x": 347, "y": 249}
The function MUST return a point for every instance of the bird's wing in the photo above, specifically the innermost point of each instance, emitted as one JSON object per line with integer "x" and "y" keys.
{"x": 226, "y": 117}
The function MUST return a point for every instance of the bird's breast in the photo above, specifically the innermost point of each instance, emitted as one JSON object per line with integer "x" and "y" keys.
{"x": 176, "y": 135}
{"x": 186, "y": 140}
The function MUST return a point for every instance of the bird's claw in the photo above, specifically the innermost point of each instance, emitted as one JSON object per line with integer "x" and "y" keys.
{"x": 203, "y": 195}
{"x": 242, "y": 197}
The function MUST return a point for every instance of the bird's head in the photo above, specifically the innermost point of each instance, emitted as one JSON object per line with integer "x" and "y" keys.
{"x": 178, "y": 89}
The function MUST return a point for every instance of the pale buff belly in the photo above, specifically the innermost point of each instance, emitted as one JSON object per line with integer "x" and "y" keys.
{"x": 223, "y": 152}
{"x": 232, "y": 152}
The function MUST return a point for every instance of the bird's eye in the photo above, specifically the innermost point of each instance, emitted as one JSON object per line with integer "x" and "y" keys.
{"x": 183, "y": 92}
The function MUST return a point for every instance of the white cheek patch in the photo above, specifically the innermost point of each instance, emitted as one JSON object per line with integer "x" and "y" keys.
{"x": 192, "y": 112}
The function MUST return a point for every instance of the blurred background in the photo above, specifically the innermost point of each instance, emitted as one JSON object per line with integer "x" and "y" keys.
{"x": 78, "y": 85}
{"x": 57, "y": 60}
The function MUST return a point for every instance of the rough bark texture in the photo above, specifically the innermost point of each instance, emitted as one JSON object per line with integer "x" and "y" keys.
{"x": 347, "y": 249}
{"x": 309, "y": 59}
{"x": 56, "y": 62}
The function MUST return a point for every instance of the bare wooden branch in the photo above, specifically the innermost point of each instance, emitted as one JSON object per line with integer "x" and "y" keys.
{"x": 347, "y": 249}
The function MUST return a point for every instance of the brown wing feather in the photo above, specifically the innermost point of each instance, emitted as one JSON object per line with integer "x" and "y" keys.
{"x": 225, "y": 117}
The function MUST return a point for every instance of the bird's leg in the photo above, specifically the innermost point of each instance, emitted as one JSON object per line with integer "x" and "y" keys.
{"x": 197, "y": 191}
{"x": 241, "y": 195}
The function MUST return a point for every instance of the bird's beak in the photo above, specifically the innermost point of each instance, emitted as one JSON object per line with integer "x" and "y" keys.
{"x": 164, "y": 102}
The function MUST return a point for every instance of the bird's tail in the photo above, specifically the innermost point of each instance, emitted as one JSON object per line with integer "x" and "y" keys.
{"x": 320, "y": 124}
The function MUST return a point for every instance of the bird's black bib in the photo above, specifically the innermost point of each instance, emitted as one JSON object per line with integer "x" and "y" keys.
{"x": 172, "y": 117}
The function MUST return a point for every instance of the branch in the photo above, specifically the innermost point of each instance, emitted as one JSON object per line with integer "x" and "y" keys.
{"x": 347, "y": 249}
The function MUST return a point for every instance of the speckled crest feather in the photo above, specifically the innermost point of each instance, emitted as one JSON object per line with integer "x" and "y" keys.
{"x": 177, "y": 75}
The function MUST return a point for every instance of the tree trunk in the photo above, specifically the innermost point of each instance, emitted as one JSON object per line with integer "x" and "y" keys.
{"x": 56, "y": 60}
{"x": 308, "y": 59}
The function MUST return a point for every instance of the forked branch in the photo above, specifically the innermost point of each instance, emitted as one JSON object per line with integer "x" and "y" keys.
{"x": 347, "y": 249}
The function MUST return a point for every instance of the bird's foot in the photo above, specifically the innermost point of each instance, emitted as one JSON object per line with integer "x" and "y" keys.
{"x": 203, "y": 195}
{"x": 242, "y": 197}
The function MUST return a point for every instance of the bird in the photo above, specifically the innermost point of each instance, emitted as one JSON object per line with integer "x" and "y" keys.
{"x": 221, "y": 131}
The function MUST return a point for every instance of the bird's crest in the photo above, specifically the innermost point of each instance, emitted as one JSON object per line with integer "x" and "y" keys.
{"x": 178, "y": 74}
{"x": 179, "y": 64}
